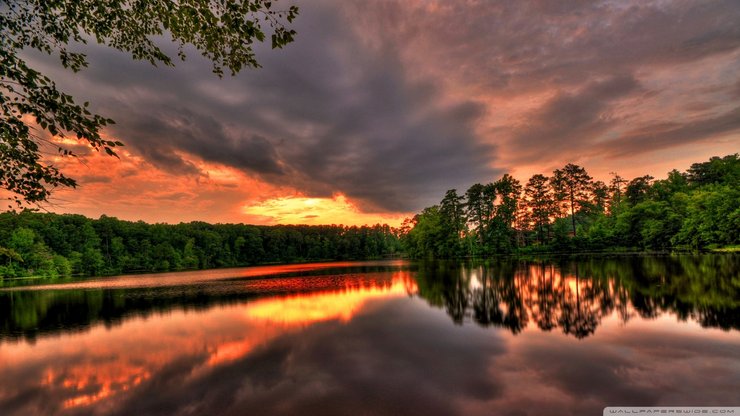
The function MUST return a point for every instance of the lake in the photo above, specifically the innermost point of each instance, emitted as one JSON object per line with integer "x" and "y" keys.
{"x": 559, "y": 336}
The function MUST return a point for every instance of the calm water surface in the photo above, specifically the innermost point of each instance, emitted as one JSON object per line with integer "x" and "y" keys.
{"x": 505, "y": 337}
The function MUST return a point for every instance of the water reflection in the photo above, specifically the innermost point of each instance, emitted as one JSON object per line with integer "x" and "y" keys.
{"x": 575, "y": 295}
{"x": 342, "y": 305}
{"x": 508, "y": 337}
{"x": 64, "y": 374}
{"x": 27, "y": 313}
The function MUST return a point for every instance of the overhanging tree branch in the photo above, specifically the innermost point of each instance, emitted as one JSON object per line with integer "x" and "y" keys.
{"x": 223, "y": 31}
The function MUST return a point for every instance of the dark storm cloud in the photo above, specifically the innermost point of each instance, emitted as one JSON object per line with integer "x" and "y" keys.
{"x": 512, "y": 49}
{"x": 362, "y": 103}
{"x": 530, "y": 44}
{"x": 158, "y": 135}
{"x": 328, "y": 114}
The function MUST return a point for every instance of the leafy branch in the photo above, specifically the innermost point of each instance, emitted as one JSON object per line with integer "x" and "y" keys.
{"x": 223, "y": 31}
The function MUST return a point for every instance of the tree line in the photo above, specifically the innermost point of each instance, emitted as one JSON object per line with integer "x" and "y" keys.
{"x": 570, "y": 211}
{"x": 567, "y": 211}
{"x": 52, "y": 245}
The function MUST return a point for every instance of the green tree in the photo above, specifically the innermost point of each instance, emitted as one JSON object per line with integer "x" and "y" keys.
{"x": 425, "y": 234}
{"x": 33, "y": 109}
{"x": 676, "y": 182}
{"x": 190, "y": 257}
{"x": 616, "y": 187}
{"x": 479, "y": 206}
{"x": 452, "y": 212}
{"x": 508, "y": 192}
{"x": 62, "y": 266}
{"x": 22, "y": 240}
{"x": 540, "y": 205}
{"x": 713, "y": 217}
{"x": 717, "y": 170}
{"x": 10, "y": 257}
{"x": 37, "y": 258}
{"x": 502, "y": 225}
{"x": 92, "y": 262}
{"x": 658, "y": 222}
{"x": 474, "y": 205}
{"x": 638, "y": 189}
{"x": 600, "y": 193}
{"x": 572, "y": 186}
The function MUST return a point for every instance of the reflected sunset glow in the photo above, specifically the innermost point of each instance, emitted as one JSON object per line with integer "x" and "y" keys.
{"x": 275, "y": 316}
{"x": 100, "y": 365}
{"x": 101, "y": 382}
{"x": 341, "y": 305}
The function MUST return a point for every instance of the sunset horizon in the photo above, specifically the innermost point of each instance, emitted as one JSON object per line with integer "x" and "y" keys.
{"x": 295, "y": 209}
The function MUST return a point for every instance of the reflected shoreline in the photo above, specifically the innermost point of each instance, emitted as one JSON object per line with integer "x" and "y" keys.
{"x": 571, "y": 295}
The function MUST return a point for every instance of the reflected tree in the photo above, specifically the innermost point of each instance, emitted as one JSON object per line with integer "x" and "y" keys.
{"x": 575, "y": 296}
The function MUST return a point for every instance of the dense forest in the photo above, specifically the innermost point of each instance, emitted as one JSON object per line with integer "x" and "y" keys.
{"x": 51, "y": 245}
{"x": 569, "y": 211}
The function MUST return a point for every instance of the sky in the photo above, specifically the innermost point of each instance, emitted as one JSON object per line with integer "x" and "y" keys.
{"x": 379, "y": 107}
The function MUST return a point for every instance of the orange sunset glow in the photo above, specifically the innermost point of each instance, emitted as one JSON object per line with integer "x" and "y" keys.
{"x": 218, "y": 193}
{"x": 302, "y": 210}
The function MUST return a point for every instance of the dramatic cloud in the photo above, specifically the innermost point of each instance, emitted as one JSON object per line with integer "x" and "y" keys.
{"x": 661, "y": 135}
{"x": 570, "y": 122}
{"x": 392, "y": 103}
